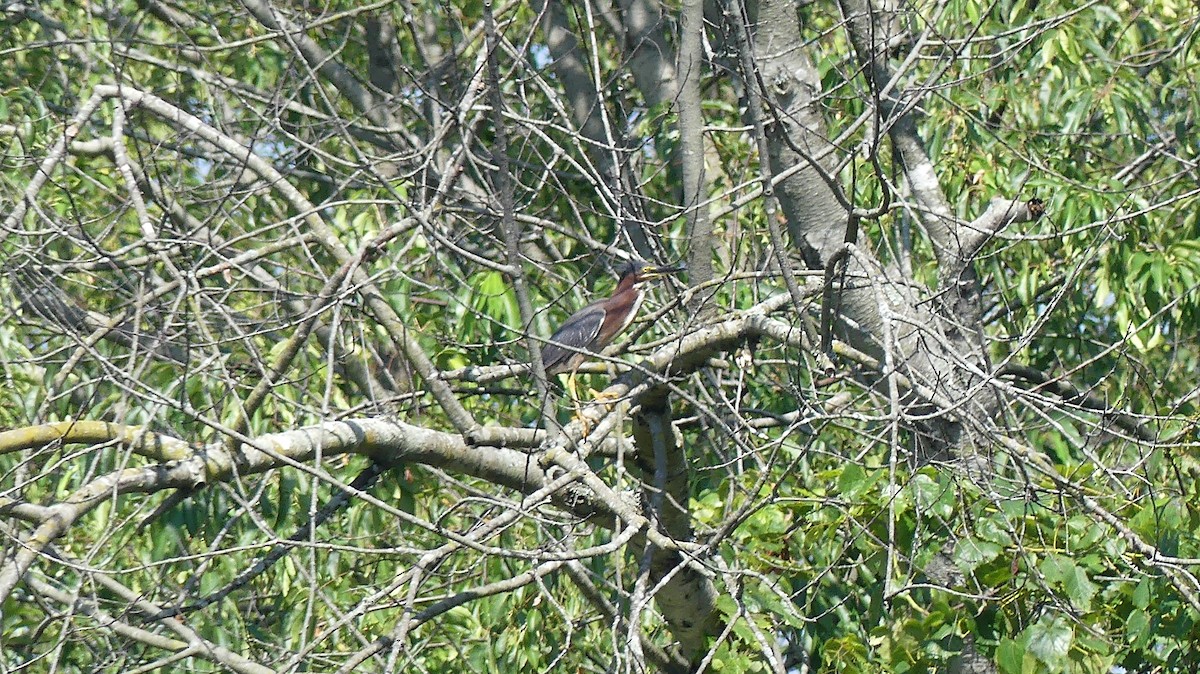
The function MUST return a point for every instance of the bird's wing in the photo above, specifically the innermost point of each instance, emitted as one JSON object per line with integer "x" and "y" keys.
{"x": 581, "y": 329}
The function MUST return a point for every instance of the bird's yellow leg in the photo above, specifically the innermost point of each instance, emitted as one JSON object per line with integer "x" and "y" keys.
{"x": 577, "y": 402}
{"x": 573, "y": 394}
{"x": 604, "y": 396}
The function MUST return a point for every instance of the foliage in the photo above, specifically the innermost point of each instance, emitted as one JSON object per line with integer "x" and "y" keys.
{"x": 831, "y": 544}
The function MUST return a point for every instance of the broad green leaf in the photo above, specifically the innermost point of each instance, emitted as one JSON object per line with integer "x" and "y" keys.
{"x": 1050, "y": 641}
{"x": 971, "y": 552}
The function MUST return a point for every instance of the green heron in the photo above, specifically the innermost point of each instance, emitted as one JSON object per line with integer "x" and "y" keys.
{"x": 595, "y": 326}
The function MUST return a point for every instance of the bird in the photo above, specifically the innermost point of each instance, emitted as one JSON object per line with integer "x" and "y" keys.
{"x": 595, "y": 326}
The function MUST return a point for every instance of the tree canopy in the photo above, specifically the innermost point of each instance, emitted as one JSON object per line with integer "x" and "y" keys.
{"x": 276, "y": 277}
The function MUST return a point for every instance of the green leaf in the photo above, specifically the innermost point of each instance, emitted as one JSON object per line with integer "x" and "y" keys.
{"x": 935, "y": 496}
{"x": 1010, "y": 656}
{"x": 1063, "y": 572}
{"x": 1141, "y": 594}
{"x": 1050, "y": 641}
{"x": 1137, "y": 628}
{"x": 971, "y": 552}
{"x": 853, "y": 481}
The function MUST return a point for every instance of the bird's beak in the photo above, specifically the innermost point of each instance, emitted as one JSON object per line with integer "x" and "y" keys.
{"x": 655, "y": 272}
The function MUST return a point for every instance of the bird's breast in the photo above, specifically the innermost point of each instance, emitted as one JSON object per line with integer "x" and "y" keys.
{"x": 628, "y": 303}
